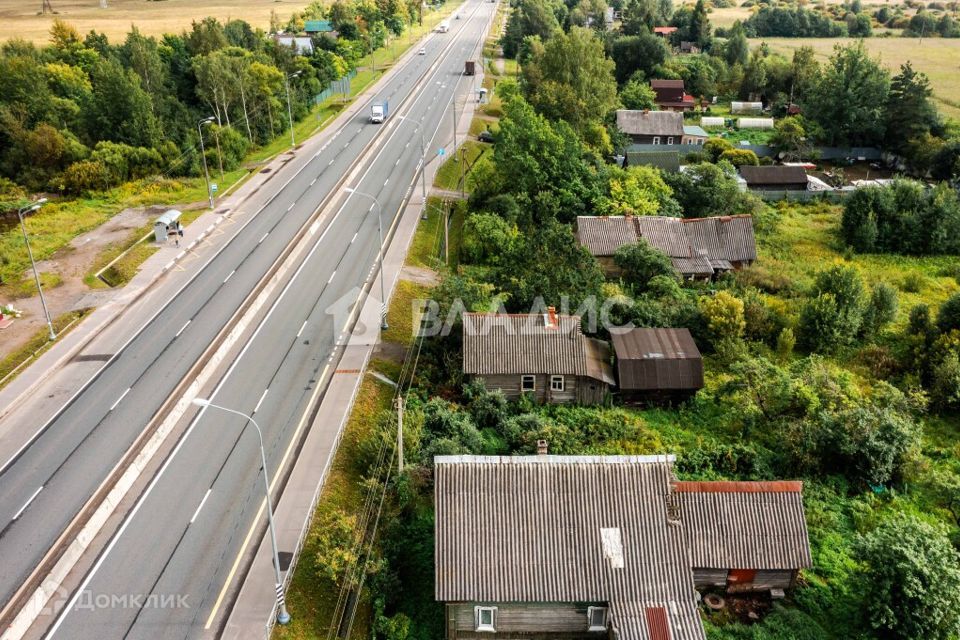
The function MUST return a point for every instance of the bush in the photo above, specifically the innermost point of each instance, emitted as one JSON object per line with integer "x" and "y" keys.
{"x": 911, "y": 580}
{"x": 740, "y": 157}
{"x": 84, "y": 176}
{"x": 724, "y": 316}
{"x": 948, "y": 318}
{"x": 641, "y": 262}
{"x": 485, "y": 235}
{"x": 124, "y": 162}
{"x": 881, "y": 309}
{"x": 716, "y": 147}
{"x": 946, "y": 383}
{"x": 820, "y": 328}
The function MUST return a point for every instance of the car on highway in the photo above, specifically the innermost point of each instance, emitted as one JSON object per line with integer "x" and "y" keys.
{"x": 423, "y": 51}
{"x": 485, "y": 136}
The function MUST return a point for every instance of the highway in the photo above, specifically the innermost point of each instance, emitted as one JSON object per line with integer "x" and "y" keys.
{"x": 185, "y": 533}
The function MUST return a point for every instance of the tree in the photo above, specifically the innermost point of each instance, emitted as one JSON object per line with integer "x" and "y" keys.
{"x": 639, "y": 16}
{"x": 638, "y": 191}
{"x": 911, "y": 578}
{"x": 850, "y": 97}
{"x": 708, "y": 189}
{"x": 529, "y": 18}
{"x": 206, "y": 36}
{"x": 637, "y": 94}
{"x": 740, "y": 157}
{"x": 641, "y": 262}
{"x": 724, "y": 315}
{"x": 948, "y": 318}
{"x": 640, "y": 53}
{"x": 790, "y": 138}
{"x": 571, "y": 79}
{"x": 910, "y": 113}
{"x": 881, "y": 309}
{"x": 716, "y": 147}
{"x": 737, "y": 49}
{"x": 119, "y": 109}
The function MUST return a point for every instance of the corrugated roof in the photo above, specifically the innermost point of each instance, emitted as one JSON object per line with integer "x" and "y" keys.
{"x": 602, "y": 236}
{"x": 773, "y": 174}
{"x": 744, "y": 525}
{"x": 666, "y": 234}
{"x": 524, "y": 343}
{"x": 317, "y": 26}
{"x": 650, "y": 123}
{"x": 666, "y": 84}
{"x": 654, "y": 344}
{"x": 663, "y": 160}
{"x": 694, "y": 130}
{"x": 657, "y": 359}
{"x": 565, "y": 529}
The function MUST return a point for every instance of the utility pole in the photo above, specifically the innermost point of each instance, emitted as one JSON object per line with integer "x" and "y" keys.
{"x": 286, "y": 82}
{"x": 36, "y": 274}
{"x": 400, "y": 434}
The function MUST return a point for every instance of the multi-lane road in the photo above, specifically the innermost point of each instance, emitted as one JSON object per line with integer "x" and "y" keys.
{"x": 182, "y": 537}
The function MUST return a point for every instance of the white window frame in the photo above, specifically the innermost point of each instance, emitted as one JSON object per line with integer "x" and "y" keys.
{"x": 553, "y": 383}
{"x": 656, "y": 139}
{"x": 590, "y": 625}
{"x": 481, "y": 626}
{"x": 670, "y": 140}
{"x": 533, "y": 382}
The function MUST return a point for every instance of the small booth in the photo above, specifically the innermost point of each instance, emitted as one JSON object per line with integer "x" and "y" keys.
{"x": 482, "y": 95}
{"x": 167, "y": 226}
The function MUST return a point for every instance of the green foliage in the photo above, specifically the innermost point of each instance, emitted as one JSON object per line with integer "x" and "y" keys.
{"x": 484, "y": 237}
{"x": 529, "y": 18}
{"x": 791, "y": 22}
{"x": 716, "y": 147}
{"x": 910, "y": 112}
{"x": 709, "y": 190}
{"x": 740, "y": 157}
{"x": 641, "y": 262}
{"x": 948, "y": 318}
{"x": 945, "y": 389}
{"x": 880, "y": 310}
{"x": 723, "y": 313}
{"x": 638, "y": 95}
{"x": 84, "y": 176}
{"x": 639, "y": 191}
{"x": 335, "y": 544}
{"x": 912, "y": 580}
{"x": 641, "y": 53}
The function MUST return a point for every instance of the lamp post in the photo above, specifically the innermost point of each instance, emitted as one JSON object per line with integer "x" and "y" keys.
{"x": 282, "y": 616}
{"x": 383, "y": 297}
{"x": 286, "y": 82}
{"x": 203, "y": 155}
{"x": 423, "y": 158}
{"x": 43, "y": 301}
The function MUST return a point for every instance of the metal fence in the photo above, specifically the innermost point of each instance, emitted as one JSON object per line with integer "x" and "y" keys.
{"x": 803, "y": 196}
{"x": 341, "y": 86}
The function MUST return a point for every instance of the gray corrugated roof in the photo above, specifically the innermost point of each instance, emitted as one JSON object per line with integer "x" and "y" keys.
{"x": 654, "y": 343}
{"x": 650, "y": 123}
{"x": 666, "y": 234}
{"x": 744, "y": 525}
{"x": 773, "y": 174}
{"x": 532, "y": 528}
{"x": 602, "y": 236}
{"x": 664, "y": 160}
{"x": 523, "y": 343}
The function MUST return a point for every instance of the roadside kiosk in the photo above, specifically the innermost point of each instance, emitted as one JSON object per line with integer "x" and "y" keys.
{"x": 167, "y": 226}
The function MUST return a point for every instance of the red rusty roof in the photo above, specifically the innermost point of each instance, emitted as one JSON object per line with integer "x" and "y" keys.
{"x": 657, "y": 623}
{"x": 729, "y": 486}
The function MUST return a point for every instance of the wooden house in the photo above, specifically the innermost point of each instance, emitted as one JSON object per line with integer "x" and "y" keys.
{"x": 545, "y": 355}
{"x": 744, "y": 536}
{"x": 655, "y": 365}
{"x": 671, "y": 95}
{"x": 775, "y": 178}
{"x": 651, "y": 127}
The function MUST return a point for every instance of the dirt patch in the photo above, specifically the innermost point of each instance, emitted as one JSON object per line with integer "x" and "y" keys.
{"x": 420, "y": 275}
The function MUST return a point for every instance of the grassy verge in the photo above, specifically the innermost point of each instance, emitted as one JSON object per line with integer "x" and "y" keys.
{"x": 400, "y": 314}
{"x": 39, "y": 343}
{"x": 448, "y": 176}
{"x": 426, "y": 241}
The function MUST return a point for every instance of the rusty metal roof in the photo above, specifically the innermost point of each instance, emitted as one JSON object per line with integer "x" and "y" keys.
{"x": 503, "y": 344}
{"x": 657, "y": 359}
{"x": 565, "y": 529}
{"x": 744, "y": 525}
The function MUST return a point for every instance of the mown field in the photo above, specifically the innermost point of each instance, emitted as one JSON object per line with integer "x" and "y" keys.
{"x": 939, "y": 58}
{"x": 19, "y": 18}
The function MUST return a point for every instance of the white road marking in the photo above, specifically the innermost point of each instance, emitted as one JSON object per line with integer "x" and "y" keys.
{"x": 397, "y": 162}
{"x": 260, "y": 401}
{"x": 291, "y": 205}
{"x": 229, "y": 276}
{"x": 263, "y": 238}
{"x": 312, "y": 181}
{"x": 183, "y": 327}
{"x": 331, "y": 276}
{"x": 27, "y": 503}
{"x": 386, "y": 181}
{"x": 122, "y": 396}
{"x": 200, "y": 506}
{"x": 330, "y": 163}
{"x": 302, "y": 327}
{"x": 354, "y": 237}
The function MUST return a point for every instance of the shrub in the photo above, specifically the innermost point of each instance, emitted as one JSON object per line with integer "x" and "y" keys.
{"x": 881, "y": 309}
{"x": 821, "y": 328}
{"x": 724, "y": 316}
{"x": 485, "y": 235}
{"x": 740, "y": 157}
{"x": 641, "y": 262}
{"x": 716, "y": 147}
{"x": 785, "y": 343}
{"x": 948, "y": 317}
{"x": 946, "y": 383}
{"x": 84, "y": 176}
{"x": 911, "y": 579}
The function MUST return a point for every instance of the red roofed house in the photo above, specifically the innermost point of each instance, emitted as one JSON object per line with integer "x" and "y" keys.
{"x": 671, "y": 96}
{"x": 664, "y": 32}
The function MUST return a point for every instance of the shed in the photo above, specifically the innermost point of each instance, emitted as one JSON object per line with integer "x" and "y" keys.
{"x": 663, "y": 160}
{"x": 755, "y": 123}
{"x": 692, "y": 134}
{"x": 657, "y": 364}
{"x": 167, "y": 225}
{"x": 775, "y": 178}
{"x": 746, "y": 107}
{"x": 302, "y": 45}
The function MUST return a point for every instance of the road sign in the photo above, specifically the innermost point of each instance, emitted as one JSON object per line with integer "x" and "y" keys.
{"x": 213, "y": 187}
{"x": 442, "y": 152}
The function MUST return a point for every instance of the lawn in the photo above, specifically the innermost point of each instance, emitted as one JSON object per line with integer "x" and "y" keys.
{"x": 939, "y": 58}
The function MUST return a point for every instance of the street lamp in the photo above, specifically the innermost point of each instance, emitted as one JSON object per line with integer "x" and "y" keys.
{"x": 203, "y": 154}
{"x": 282, "y": 616}
{"x": 423, "y": 158}
{"x": 383, "y": 297}
{"x": 286, "y": 82}
{"x": 43, "y": 302}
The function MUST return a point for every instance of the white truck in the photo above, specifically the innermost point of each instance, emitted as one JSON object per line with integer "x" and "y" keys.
{"x": 444, "y": 26}
{"x": 379, "y": 112}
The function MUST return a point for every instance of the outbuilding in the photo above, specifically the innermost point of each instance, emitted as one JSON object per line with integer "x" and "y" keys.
{"x": 774, "y": 178}
{"x": 167, "y": 226}
{"x": 656, "y": 365}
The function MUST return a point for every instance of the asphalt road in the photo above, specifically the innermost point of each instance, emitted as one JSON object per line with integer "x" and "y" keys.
{"x": 185, "y": 533}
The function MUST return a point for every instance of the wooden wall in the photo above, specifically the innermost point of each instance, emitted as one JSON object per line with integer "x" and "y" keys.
{"x": 554, "y": 621}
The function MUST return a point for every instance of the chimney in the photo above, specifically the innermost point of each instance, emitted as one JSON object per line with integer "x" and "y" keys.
{"x": 541, "y": 447}
{"x": 552, "y": 317}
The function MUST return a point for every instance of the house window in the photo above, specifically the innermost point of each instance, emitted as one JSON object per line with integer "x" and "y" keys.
{"x": 596, "y": 618}
{"x": 656, "y": 139}
{"x": 670, "y": 140}
{"x": 556, "y": 383}
{"x": 527, "y": 383}
{"x": 485, "y": 618}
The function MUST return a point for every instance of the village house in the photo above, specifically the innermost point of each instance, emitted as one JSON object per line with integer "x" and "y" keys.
{"x": 544, "y": 355}
{"x": 320, "y": 28}
{"x": 775, "y": 178}
{"x": 301, "y": 45}
{"x": 656, "y": 365}
{"x": 694, "y": 134}
{"x": 651, "y": 127}
{"x": 671, "y": 95}
{"x": 665, "y": 32}
{"x": 564, "y": 547}
{"x": 689, "y": 47}
{"x": 697, "y": 247}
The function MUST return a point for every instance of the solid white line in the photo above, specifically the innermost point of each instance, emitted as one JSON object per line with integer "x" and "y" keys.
{"x": 229, "y": 276}
{"x": 183, "y": 327}
{"x": 331, "y": 276}
{"x": 27, "y": 503}
{"x": 406, "y": 145}
{"x": 291, "y": 205}
{"x": 354, "y": 237}
{"x": 200, "y": 506}
{"x": 312, "y": 181}
{"x": 386, "y": 181}
{"x": 263, "y": 238}
{"x": 260, "y": 401}
{"x": 122, "y": 396}
{"x": 302, "y": 327}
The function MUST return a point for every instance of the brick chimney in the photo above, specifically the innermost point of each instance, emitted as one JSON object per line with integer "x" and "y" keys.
{"x": 551, "y": 318}
{"x": 541, "y": 447}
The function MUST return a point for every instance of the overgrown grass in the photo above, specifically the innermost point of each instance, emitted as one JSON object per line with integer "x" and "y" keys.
{"x": 38, "y": 343}
{"x": 400, "y": 314}
{"x": 448, "y": 176}
{"x": 27, "y": 287}
{"x": 427, "y": 239}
